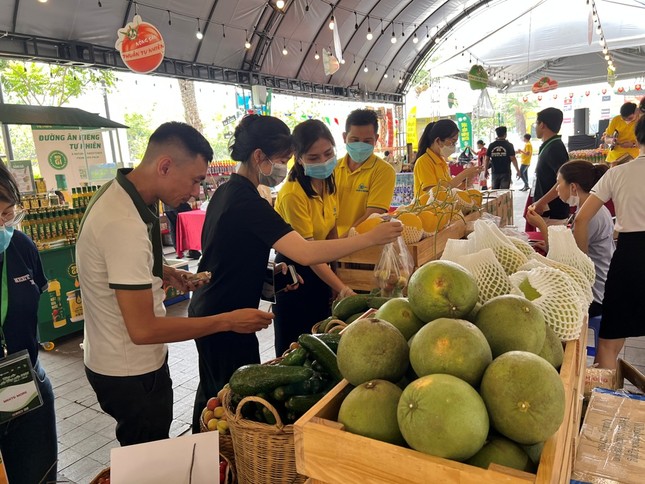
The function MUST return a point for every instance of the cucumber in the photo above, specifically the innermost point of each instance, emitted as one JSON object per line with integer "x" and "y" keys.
{"x": 295, "y": 357}
{"x": 375, "y": 302}
{"x": 322, "y": 325}
{"x": 253, "y": 379}
{"x": 353, "y": 317}
{"x": 268, "y": 416}
{"x": 301, "y": 403}
{"x": 323, "y": 354}
{"x": 330, "y": 339}
{"x": 350, "y": 305}
{"x": 306, "y": 387}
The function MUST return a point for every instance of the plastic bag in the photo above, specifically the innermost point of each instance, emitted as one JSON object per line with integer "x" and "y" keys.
{"x": 394, "y": 268}
{"x": 466, "y": 156}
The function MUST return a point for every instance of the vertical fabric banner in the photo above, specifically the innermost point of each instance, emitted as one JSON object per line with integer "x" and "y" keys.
{"x": 465, "y": 130}
{"x": 411, "y": 128}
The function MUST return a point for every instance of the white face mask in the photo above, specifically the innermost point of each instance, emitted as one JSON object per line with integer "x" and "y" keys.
{"x": 573, "y": 200}
{"x": 447, "y": 150}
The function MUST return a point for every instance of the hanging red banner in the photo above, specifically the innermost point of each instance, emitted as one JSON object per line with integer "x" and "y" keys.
{"x": 141, "y": 46}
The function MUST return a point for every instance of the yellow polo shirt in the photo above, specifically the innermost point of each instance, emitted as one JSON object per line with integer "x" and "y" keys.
{"x": 429, "y": 169}
{"x": 313, "y": 218}
{"x": 371, "y": 185}
{"x": 626, "y": 134}
{"x": 528, "y": 152}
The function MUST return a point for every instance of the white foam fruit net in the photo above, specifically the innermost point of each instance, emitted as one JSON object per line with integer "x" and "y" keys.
{"x": 456, "y": 248}
{"x": 524, "y": 247}
{"x": 488, "y": 272}
{"x": 582, "y": 286}
{"x": 488, "y": 235}
{"x": 554, "y": 293}
{"x": 563, "y": 248}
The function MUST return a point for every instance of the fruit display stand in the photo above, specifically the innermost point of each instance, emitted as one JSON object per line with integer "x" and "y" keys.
{"x": 328, "y": 454}
{"x": 356, "y": 270}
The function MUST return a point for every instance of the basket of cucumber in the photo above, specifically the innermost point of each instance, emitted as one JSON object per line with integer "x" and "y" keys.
{"x": 264, "y": 453}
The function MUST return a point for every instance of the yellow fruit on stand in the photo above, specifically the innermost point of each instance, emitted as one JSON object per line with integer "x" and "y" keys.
{"x": 476, "y": 196}
{"x": 411, "y": 220}
{"x": 212, "y": 424}
{"x": 208, "y": 414}
{"x": 464, "y": 198}
{"x": 423, "y": 199}
{"x": 368, "y": 224}
{"x": 218, "y": 412}
{"x": 430, "y": 221}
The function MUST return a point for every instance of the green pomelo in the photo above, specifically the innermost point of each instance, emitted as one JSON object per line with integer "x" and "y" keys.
{"x": 524, "y": 396}
{"x": 477, "y": 77}
{"x": 534, "y": 452}
{"x": 552, "y": 350}
{"x": 529, "y": 291}
{"x": 370, "y": 410}
{"x": 452, "y": 346}
{"x": 444, "y": 416}
{"x": 398, "y": 312}
{"x": 473, "y": 314}
{"x": 442, "y": 289}
{"x": 372, "y": 349}
{"x": 512, "y": 323}
{"x": 502, "y": 451}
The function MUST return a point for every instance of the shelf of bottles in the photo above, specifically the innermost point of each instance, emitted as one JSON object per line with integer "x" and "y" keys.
{"x": 597, "y": 155}
{"x": 52, "y": 222}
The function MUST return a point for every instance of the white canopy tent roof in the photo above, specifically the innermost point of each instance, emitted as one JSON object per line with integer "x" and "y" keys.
{"x": 515, "y": 37}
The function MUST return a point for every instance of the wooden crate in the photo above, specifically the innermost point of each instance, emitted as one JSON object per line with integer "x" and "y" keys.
{"x": 328, "y": 454}
{"x": 357, "y": 269}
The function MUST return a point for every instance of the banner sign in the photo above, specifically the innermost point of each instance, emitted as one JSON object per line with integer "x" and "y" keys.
{"x": 141, "y": 46}
{"x": 24, "y": 176}
{"x": 61, "y": 150}
{"x": 465, "y": 130}
{"x": 411, "y": 128}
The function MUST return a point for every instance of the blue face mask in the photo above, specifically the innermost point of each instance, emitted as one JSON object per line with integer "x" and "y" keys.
{"x": 5, "y": 237}
{"x": 359, "y": 151}
{"x": 320, "y": 170}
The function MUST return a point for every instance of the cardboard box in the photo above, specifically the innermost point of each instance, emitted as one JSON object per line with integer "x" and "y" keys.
{"x": 611, "y": 447}
{"x": 613, "y": 379}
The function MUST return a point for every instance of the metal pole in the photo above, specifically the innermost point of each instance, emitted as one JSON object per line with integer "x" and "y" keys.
{"x": 107, "y": 115}
{"x": 5, "y": 134}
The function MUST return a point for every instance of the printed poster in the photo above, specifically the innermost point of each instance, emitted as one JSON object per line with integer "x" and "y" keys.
{"x": 68, "y": 151}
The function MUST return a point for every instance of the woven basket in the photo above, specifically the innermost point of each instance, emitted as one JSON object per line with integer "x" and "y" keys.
{"x": 265, "y": 454}
{"x": 225, "y": 443}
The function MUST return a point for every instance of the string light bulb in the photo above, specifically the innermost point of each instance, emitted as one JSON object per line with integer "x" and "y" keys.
{"x": 316, "y": 55}
{"x": 393, "y": 39}
{"x": 284, "y": 47}
{"x": 415, "y": 39}
{"x": 365, "y": 69}
{"x": 369, "y": 35}
{"x": 385, "y": 76}
{"x": 332, "y": 22}
{"x": 280, "y": 4}
{"x": 199, "y": 33}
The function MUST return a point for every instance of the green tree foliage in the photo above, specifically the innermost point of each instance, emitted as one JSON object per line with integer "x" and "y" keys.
{"x": 49, "y": 84}
{"x": 510, "y": 111}
{"x": 138, "y": 134}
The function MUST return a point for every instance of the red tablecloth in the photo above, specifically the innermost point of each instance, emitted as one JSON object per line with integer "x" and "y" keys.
{"x": 189, "y": 230}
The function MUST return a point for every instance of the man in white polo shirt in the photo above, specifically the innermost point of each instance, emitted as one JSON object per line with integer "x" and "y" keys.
{"x": 120, "y": 266}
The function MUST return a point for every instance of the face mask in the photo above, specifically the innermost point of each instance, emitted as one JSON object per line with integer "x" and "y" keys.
{"x": 447, "y": 150}
{"x": 276, "y": 176}
{"x": 5, "y": 237}
{"x": 359, "y": 151}
{"x": 320, "y": 170}
{"x": 573, "y": 200}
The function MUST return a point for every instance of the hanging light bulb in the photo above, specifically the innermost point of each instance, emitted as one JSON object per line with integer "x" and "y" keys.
{"x": 385, "y": 76}
{"x": 427, "y": 32}
{"x": 316, "y": 55}
{"x": 369, "y": 35}
{"x": 342, "y": 61}
{"x": 393, "y": 39}
{"x": 602, "y": 41}
{"x": 415, "y": 39}
{"x": 606, "y": 56}
{"x": 365, "y": 69}
{"x": 605, "y": 50}
{"x": 199, "y": 34}
{"x": 247, "y": 44}
{"x": 284, "y": 47}
{"x": 280, "y": 4}
{"x": 332, "y": 22}
{"x": 400, "y": 80}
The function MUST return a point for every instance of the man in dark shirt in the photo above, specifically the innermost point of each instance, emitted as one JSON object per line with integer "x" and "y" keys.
{"x": 500, "y": 154}
{"x": 552, "y": 155}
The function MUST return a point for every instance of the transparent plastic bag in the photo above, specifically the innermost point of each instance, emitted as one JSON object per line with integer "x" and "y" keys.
{"x": 394, "y": 268}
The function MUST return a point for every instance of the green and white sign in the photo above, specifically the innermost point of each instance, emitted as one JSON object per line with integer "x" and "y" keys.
{"x": 465, "y": 130}
{"x": 22, "y": 172}
{"x": 68, "y": 151}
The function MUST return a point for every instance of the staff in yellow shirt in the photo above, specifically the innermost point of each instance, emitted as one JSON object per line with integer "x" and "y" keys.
{"x": 438, "y": 142}
{"x": 364, "y": 181}
{"x": 308, "y": 202}
{"x": 527, "y": 153}
{"x": 620, "y": 133}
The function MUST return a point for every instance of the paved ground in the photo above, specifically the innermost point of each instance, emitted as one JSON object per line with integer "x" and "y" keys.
{"x": 86, "y": 434}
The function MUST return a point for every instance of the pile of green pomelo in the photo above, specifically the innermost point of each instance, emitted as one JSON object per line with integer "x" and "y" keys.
{"x": 444, "y": 375}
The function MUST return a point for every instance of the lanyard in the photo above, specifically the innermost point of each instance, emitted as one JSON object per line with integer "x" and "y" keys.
{"x": 551, "y": 140}
{"x": 4, "y": 294}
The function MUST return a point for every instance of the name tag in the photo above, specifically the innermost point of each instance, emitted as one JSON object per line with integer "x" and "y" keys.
{"x": 19, "y": 393}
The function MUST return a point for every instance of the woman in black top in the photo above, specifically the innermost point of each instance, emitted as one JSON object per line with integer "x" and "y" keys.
{"x": 239, "y": 232}
{"x": 27, "y": 442}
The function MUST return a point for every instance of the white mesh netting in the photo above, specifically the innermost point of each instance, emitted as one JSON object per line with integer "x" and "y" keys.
{"x": 582, "y": 286}
{"x": 456, "y": 248}
{"x": 563, "y": 248}
{"x": 524, "y": 247}
{"x": 488, "y": 235}
{"x": 555, "y": 294}
{"x": 488, "y": 272}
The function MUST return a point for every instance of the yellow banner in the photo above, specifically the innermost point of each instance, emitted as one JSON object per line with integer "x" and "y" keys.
{"x": 411, "y": 128}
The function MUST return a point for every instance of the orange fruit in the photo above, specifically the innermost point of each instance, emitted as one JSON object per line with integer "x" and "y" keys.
{"x": 423, "y": 199}
{"x": 464, "y": 197}
{"x": 410, "y": 220}
{"x": 429, "y": 220}
{"x": 476, "y": 196}
{"x": 368, "y": 224}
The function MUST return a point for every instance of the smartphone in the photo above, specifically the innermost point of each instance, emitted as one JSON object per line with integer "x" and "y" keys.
{"x": 275, "y": 283}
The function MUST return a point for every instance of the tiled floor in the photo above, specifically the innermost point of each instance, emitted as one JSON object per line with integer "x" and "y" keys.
{"x": 86, "y": 434}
